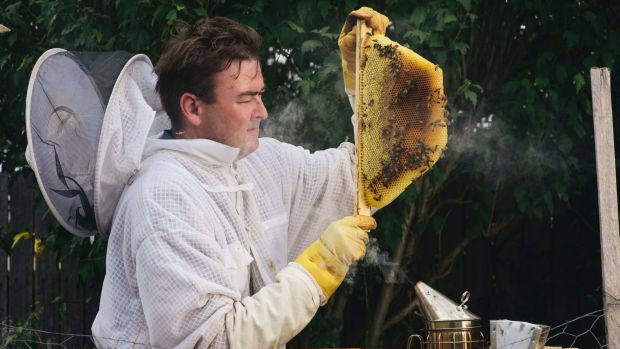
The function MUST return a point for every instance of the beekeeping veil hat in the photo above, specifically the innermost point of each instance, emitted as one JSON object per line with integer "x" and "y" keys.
{"x": 87, "y": 117}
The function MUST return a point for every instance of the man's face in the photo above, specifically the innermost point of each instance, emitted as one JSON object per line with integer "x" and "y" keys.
{"x": 235, "y": 116}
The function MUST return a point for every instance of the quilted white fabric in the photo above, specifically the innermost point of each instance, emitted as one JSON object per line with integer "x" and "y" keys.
{"x": 198, "y": 232}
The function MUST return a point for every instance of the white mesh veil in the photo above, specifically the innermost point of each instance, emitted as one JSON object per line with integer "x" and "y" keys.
{"x": 66, "y": 103}
{"x": 127, "y": 121}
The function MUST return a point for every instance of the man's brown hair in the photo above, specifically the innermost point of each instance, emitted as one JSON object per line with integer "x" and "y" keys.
{"x": 196, "y": 54}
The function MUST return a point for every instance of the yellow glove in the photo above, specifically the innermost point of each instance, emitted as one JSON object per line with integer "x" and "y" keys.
{"x": 343, "y": 243}
{"x": 346, "y": 41}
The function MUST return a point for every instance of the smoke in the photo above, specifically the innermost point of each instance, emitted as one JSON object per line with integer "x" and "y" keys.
{"x": 285, "y": 124}
{"x": 392, "y": 272}
{"x": 490, "y": 146}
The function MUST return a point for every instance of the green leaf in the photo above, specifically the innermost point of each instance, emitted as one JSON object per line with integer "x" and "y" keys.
{"x": 12, "y": 38}
{"x": 579, "y": 82}
{"x": 461, "y": 47}
{"x": 471, "y": 96}
{"x": 200, "y": 12}
{"x": 306, "y": 86}
{"x": 22, "y": 235}
{"x": 418, "y": 16}
{"x": 324, "y": 32}
{"x": 417, "y": 36}
{"x": 449, "y": 18}
{"x": 560, "y": 74}
{"x": 13, "y": 8}
{"x": 62, "y": 309}
{"x": 305, "y": 8}
{"x": 324, "y": 7}
{"x": 564, "y": 142}
{"x": 511, "y": 87}
{"x": 541, "y": 81}
{"x": 310, "y": 45}
{"x": 608, "y": 59}
{"x": 171, "y": 16}
{"x": 295, "y": 27}
{"x": 466, "y": 4}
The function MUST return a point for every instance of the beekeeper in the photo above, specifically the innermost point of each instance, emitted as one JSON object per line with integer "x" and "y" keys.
{"x": 224, "y": 239}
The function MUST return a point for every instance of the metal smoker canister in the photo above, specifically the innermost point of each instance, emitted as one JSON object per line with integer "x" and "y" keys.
{"x": 448, "y": 325}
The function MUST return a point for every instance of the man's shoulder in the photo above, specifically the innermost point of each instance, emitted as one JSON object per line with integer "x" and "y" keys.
{"x": 157, "y": 176}
{"x": 271, "y": 146}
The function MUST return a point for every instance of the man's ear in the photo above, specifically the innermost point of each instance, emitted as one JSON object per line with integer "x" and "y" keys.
{"x": 190, "y": 106}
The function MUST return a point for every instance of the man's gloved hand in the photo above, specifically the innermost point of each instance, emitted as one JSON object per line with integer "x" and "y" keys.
{"x": 343, "y": 242}
{"x": 346, "y": 41}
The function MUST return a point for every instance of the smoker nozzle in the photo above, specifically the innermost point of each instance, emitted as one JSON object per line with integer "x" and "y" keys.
{"x": 437, "y": 307}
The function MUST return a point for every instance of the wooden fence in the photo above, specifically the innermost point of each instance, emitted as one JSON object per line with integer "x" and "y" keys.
{"x": 43, "y": 285}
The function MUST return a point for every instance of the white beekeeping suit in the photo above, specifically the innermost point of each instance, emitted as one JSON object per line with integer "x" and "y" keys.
{"x": 197, "y": 234}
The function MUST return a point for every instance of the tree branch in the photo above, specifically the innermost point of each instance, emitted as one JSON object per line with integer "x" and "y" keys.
{"x": 401, "y": 314}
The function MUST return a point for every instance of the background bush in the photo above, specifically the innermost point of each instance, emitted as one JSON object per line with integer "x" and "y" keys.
{"x": 519, "y": 163}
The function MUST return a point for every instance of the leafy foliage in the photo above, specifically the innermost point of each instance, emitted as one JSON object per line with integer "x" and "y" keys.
{"x": 516, "y": 78}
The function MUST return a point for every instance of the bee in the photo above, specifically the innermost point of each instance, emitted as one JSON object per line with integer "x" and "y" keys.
{"x": 385, "y": 132}
{"x": 363, "y": 62}
{"x": 438, "y": 96}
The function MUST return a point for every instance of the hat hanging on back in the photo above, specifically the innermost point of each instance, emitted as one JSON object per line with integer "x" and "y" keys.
{"x": 77, "y": 111}
{"x": 133, "y": 113}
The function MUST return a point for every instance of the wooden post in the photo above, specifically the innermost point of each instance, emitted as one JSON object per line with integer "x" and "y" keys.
{"x": 607, "y": 201}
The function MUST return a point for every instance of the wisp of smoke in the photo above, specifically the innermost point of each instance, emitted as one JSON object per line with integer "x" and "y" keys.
{"x": 285, "y": 124}
{"x": 489, "y": 146}
{"x": 392, "y": 272}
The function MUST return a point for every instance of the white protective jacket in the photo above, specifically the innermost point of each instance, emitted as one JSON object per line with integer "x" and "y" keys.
{"x": 197, "y": 235}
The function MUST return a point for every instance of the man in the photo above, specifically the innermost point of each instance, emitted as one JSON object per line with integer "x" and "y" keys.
{"x": 223, "y": 240}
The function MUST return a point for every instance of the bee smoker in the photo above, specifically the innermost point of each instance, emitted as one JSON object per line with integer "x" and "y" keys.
{"x": 448, "y": 325}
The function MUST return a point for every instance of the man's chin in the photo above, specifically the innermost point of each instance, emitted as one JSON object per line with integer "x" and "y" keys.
{"x": 248, "y": 149}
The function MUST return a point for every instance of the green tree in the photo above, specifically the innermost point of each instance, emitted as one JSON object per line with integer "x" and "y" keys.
{"x": 515, "y": 75}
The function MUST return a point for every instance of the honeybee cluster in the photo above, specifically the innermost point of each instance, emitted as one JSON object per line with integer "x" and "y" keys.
{"x": 410, "y": 86}
{"x": 400, "y": 158}
{"x": 442, "y": 122}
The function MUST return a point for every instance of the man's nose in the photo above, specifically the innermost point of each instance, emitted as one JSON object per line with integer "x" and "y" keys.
{"x": 261, "y": 111}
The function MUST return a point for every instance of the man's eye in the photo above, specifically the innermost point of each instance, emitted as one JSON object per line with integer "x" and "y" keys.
{"x": 245, "y": 101}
